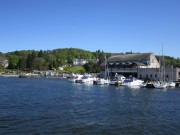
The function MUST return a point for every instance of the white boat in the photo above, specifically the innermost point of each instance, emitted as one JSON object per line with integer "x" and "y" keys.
{"x": 171, "y": 84}
{"x": 117, "y": 79}
{"x": 149, "y": 85}
{"x": 87, "y": 79}
{"x": 157, "y": 85}
{"x": 105, "y": 80}
{"x": 160, "y": 85}
{"x": 132, "y": 82}
{"x": 113, "y": 81}
{"x": 102, "y": 81}
{"x": 75, "y": 78}
{"x": 144, "y": 85}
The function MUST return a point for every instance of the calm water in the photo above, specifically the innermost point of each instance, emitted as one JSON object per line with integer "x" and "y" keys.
{"x": 55, "y": 106}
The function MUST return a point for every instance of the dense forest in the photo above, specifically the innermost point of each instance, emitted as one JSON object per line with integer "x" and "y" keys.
{"x": 29, "y": 60}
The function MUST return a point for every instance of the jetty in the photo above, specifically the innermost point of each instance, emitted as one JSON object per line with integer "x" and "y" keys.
{"x": 6, "y": 75}
{"x": 13, "y": 74}
{"x": 177, "y": 83}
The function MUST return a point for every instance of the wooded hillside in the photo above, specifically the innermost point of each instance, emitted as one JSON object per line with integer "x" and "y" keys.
{"x": 28, "y": 60}
{"x": 47, "y": 60}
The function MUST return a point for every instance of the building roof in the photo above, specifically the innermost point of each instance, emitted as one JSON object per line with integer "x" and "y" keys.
{"x": 130, "y": 57}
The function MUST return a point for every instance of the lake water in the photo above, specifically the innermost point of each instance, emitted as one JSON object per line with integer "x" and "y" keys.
{"x": 55, "y": 106}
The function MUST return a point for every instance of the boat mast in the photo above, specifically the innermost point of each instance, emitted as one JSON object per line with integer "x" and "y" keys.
{"x": 159, "y": 74}
{"x": 105, "y": 63}
{"x": 106, "y": 68}
{"x": 172, "y": 73}
{"x": 163, "y": 62}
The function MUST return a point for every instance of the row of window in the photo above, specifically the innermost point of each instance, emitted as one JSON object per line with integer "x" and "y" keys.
{"x": 151, "y": 76}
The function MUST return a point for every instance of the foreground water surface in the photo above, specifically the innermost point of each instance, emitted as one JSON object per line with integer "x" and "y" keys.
{"x": 55, "y": 106}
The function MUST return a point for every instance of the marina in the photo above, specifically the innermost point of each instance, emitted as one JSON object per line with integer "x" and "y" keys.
{"x": 120, "y": 80}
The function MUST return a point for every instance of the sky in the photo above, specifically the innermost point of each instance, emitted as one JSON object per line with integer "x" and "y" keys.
{"x": 114, "y": 26}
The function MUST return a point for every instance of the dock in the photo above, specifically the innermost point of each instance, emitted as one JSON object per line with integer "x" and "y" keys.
{"x": 177, "y": 83}
{"x": 6, "y": 75}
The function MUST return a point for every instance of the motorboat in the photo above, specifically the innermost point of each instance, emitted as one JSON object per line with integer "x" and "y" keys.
{"x": 76, "y": 78}
{"x": 87, "y": 79}
{"x": 102, "y": 81}
{"x": 132, "y": 82}
{"x": 118, "y": 79}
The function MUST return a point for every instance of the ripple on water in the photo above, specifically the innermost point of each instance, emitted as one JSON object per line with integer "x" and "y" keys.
{"x": 55, "y": 106}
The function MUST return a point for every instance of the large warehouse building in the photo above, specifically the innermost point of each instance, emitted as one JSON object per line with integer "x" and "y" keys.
{"x": 141, "y": 65}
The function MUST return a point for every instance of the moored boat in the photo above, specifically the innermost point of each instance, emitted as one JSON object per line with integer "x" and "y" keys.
{"x": 75, "y": 78}
{"x": 102, "y": 81}
{"x": 87, "y": 79}
{"x": 150, "y": 85}
{"x": 105, "y": 80}
{"x": 117, "y": 80}
{"x": 156, "y": 84}
{"x": 132, "y": 82}
{"x": 171, "y": 84}
{"x": 160, "y": 85}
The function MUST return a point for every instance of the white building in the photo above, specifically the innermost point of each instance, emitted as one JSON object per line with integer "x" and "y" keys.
{"x": 81, "y": 62}
{"x": 77, "y": 62}
{"x": 4, "y": 62}
{"x": 141, "y": 65}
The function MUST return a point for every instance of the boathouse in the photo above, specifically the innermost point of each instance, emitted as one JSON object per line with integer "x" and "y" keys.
{"x": 140, "y": 65}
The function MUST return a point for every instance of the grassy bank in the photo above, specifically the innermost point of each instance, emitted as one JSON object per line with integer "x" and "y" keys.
{"x": 73, "y": 69}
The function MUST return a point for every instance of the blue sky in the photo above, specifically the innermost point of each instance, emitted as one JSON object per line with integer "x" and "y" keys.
{"x": 109, "y": 25}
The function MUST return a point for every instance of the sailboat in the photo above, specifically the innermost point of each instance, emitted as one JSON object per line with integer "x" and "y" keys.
{"x": 105, "y": 80}
{"x": 170, "y": 83}
{"x": 161, "y": 84}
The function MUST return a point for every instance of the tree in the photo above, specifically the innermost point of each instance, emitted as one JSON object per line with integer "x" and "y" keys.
{"x": 97, "y": 68}
{"x": 13, "y": 61}
{"x": 40, "y": 54}
{"x": 101, "y": 58}
{"x": 90, "y": 67}
{"x": 22, "y": 64}
{"x": 39, "y": 64}
{"x": 51, "y": 61}
{"x": 30, "y": 60}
